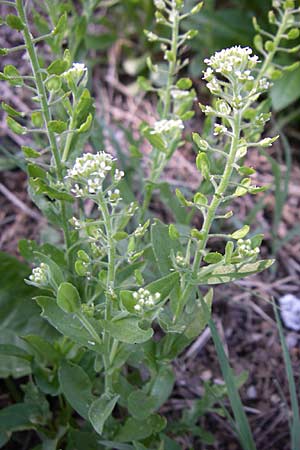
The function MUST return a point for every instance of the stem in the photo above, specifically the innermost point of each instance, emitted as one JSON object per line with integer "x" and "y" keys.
{"x": 158, "y": 165}
{"x": 109, "y": 351}
{"x": 89, "y": 327}
{"x": 211, "y": 210}
{"x": 70, "y": 134}
{"x": 37, "y": 72}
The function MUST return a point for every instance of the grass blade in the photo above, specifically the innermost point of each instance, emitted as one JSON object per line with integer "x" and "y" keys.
{"x": 242, "y": 424}
{"x": 295, "y": 422}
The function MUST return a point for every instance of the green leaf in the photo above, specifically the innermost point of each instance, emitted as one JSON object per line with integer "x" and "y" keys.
{"x": 231, "y": 272}
{"x": 184, "y": 83}
{"x": 57, "y": 126}
{"x": 101, "y": 41}
{"x": 172, "y": 203}
{"x": 100, "y": 410}
{"x": 16, "y": 418}
{"x": 19, "y": 315}
{"x": 198, "y": 317}
{"x": 14, "y": 22}
{"x": 13, "y": 350}
{"x": 203, "y": 165}
{"x": 30, "y": 152}
{"x": 154, "y": 139}
{"x": 200, "y": 199}
{"x": 135, "y": 430}
{"x": 76, "y": 387}
{"x": 163, "y": 246}
{"x": 15, "y": 126}
{"x": 241, "y": 233}
{"x": 173, "y": 232}
{"x": 162, "y": 386}
{"x": 41, "y": 187}
{"x": 12, "y": 75}
{"x": 127, "y": 330}
{"x": 61, "y": 25}
{"x": 67, "y": 324}
{"x": 43, "y": 349}
{"x": 286, "y": 90}
{"x": 68, "y": 298}
{"x": 13, "y": 361}
{"x": 164, "y": 285}
{"x": 36, "y": 171}
{"x": 10, "y": 110}
{"x": 140, "y": 405}
{"x": 85, "y": 126}
{"x": 57, "y": 67}
{"x": 83, "y": 107}
{"x": 213, "y": 257}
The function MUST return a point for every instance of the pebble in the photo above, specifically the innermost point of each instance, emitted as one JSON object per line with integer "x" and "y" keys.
{"x": 290, "y": 311}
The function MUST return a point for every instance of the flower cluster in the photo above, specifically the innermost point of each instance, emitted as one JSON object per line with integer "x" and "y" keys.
{"x": 77, "y": 74}
{"x": 167, "y": 126}
{"x": 236, "y": 65}
{"x": 90, "y": 171}
{"x": 245, "y": 250}
{"x": 235, "y": 60}
{"x": 39, "y": 275}
{"x": 145, "y": 300}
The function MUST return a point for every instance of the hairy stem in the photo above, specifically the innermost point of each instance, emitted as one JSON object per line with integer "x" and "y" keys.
{"x": 160, "y": 158}
{"x": 109, "y": 347}
{"x": 37, "y": 72}
{"x": 212, "y": 209}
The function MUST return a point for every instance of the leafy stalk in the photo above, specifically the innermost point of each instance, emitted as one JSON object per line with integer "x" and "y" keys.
{"x": 42, "y": 96}
{"x": 168, "y": 14}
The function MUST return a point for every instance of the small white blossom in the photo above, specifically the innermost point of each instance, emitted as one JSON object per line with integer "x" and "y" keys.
{"x": 219, "y": 129}
{"x": 118, "y": 175}
{"x": 179, "y": 94}
{"x": 167, "y": 126}
{"x": 214, "y": 86}
{"x": 76, "y": 223}
{"x": 90, "y": 170}
{"x": 145, "y": 300}
{"x": 114, "y": 197}
{"x": 245, "y": 249}
{"x": 235, "y": 58}
{"x": 160, "y": 4}
{"x": 263, "y": 84}
{"x": 77, "y": 73}
{"x": 39, "y": 275}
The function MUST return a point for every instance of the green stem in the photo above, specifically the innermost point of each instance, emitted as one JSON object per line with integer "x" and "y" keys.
{"x": 108, "y": 349}
{"x": 158, "y": 165}
{"x": 37, "y": 72}
{"x": 85, "y": 322}
{"x": 70, "y": 134}
{"x": 211, "y": 211}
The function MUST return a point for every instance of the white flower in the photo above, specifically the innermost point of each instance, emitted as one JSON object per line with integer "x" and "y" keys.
{"x": 145, "y": 300}
{"x": 118, "y": 175}
{"x": 179, "y": 94}
{"x": 167, "y": 126}
{"x": 76, "y": 74}
{"x": 219, "y": 129}
{"x": 39, "y": 275}
{"x": 160, "y": 4}
{"x": 90, "y": 170}
{"x": 245, "y": 249}
{"x": 114, "y": 197}
{"x": 226, "y": 60}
